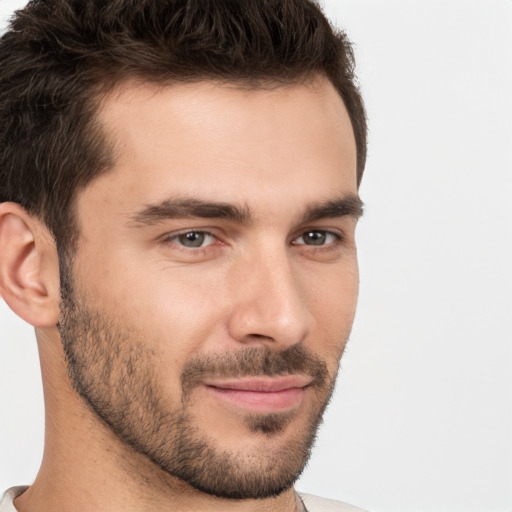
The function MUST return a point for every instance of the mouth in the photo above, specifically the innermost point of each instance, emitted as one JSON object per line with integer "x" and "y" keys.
{"x": 261, "y": 394}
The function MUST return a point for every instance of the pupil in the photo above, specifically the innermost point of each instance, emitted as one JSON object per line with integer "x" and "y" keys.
{"x": 315, "y": 238}
{"x": 192, "y": 239}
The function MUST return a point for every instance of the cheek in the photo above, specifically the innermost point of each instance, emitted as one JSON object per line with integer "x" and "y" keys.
{"x": 333, "y": 305}
{"x": 173, "y": 311}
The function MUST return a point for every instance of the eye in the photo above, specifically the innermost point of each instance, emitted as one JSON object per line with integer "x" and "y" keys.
{"x": 192, "y": 239}
{"x": 317, "y": 238}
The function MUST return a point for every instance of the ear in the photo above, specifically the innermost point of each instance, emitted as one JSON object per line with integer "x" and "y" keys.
{"x": 29, "y": 267}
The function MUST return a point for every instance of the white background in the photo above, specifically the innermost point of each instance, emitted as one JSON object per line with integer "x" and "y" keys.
{"x": 422, "y": 417}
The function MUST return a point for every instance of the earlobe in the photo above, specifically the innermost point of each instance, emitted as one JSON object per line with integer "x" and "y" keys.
{"x": 29, "y": 275}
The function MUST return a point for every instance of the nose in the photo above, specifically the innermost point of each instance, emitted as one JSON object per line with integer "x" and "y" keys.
{"x": 269, "y": 304}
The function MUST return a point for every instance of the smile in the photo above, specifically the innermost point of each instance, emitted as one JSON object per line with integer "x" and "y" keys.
{"x": 265, "y": 395}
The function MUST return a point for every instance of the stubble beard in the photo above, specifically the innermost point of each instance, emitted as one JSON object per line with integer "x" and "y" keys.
{"x": 114, "y": 373}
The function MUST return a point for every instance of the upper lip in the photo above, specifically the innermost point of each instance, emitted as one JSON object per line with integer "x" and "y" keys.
{"x": 263, "y": 384}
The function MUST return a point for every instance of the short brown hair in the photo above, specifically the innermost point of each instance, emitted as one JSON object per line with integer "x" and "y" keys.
{"x": 59, "y": 57}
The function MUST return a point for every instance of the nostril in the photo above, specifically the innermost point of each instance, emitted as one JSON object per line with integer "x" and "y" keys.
{"x": 259, "y": 338}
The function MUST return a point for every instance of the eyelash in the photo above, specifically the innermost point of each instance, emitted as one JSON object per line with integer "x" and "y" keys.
{"x": 174, "y": 237}
{"x": 336, "y": 238}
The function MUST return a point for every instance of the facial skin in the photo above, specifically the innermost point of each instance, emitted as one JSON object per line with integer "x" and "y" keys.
{"x": 215, "y": 280}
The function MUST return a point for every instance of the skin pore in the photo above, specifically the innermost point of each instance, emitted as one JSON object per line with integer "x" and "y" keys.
{"x": 207, "y": 305}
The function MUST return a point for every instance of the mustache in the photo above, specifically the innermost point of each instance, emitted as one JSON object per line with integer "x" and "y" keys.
{"x": 255, "y": 362}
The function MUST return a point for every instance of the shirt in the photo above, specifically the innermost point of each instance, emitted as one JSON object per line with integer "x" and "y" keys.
{"x": 312, "y": 503}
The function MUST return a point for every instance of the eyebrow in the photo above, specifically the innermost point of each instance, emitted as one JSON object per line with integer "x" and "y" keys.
{"x": 183, "y": 208}
{"x": 349, "y": 205}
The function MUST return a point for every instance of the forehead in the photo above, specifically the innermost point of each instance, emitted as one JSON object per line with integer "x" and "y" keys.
{"x": 217, "y": 141}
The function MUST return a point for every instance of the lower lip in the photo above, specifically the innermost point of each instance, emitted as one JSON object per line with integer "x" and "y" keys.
{"x": 262, "y": 401}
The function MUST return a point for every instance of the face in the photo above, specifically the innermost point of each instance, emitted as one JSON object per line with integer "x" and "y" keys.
{"x": 215, "y": 279}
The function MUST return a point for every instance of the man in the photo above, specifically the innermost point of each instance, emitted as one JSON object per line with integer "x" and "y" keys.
{"x": 178, "y": 201}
